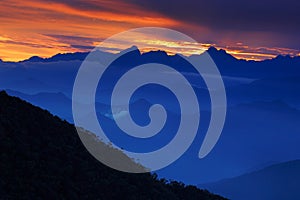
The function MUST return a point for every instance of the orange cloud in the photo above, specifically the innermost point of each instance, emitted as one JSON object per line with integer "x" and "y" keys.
{"x": 48, "y": 27}
{"x": 26, "y": 26}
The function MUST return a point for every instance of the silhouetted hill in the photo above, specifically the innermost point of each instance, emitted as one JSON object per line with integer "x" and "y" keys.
{"x": 276, "y": 182}
{"x": 59, "y": 57}
{"x": 220, "y": 54}
{"x": 58, "y": 103}
{"x": 42, "y": 157}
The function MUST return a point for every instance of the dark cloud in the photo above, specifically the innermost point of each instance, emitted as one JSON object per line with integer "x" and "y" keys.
{"x": 259, "y": 23}
{"x": 35, "y": 45}
{"x": 82, "y": 47}
{"x": 116, "y": 6}
{"x": 82, "y": 4}
{"x": 77, "y": 42}
{"x": 262, "y": 15}
{"x": 72, "y": 38}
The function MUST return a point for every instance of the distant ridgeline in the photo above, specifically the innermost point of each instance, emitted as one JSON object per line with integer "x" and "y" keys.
{"x": 42, "y": 157}
{"x": 262, "y": 120}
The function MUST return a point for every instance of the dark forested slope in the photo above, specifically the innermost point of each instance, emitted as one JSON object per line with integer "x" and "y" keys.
{"x": 42, "y": 157}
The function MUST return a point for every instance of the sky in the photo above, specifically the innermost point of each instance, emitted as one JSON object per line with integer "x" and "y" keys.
{"x": 252, "y": 30}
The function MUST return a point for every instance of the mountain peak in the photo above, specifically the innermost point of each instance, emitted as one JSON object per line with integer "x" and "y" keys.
{"x": 219, "y": 53}
{"x": 131, "y": 49}
{"x": 34, "y": 59}
{"x": 214, "y": 50}
{"x": 283, "y": 57}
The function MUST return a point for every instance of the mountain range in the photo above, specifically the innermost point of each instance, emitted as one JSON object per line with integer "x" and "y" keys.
{"x": 263, "y": 111}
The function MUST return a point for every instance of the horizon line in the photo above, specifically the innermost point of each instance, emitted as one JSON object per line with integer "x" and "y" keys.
{"x": 154, "y": 50}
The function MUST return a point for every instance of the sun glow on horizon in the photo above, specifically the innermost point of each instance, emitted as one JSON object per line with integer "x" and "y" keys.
{"x": 45, "y": 28}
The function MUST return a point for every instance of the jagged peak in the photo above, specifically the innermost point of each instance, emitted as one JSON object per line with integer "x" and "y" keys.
{"x": 131, "y": 49}
{"x": 219, "y": 53}
{"x": 213, "y": 49}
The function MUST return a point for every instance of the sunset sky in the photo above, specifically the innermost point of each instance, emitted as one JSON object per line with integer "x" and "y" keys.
{"x": 246, "y": 29}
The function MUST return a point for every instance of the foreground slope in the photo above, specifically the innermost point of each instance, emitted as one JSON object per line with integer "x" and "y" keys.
{"x": 42, "y": 157}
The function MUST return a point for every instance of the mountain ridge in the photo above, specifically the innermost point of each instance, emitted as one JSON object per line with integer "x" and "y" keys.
{"x": 274, "y": 182}
{"x": 81, "y": 55}
{"x": 42, "y": 157}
